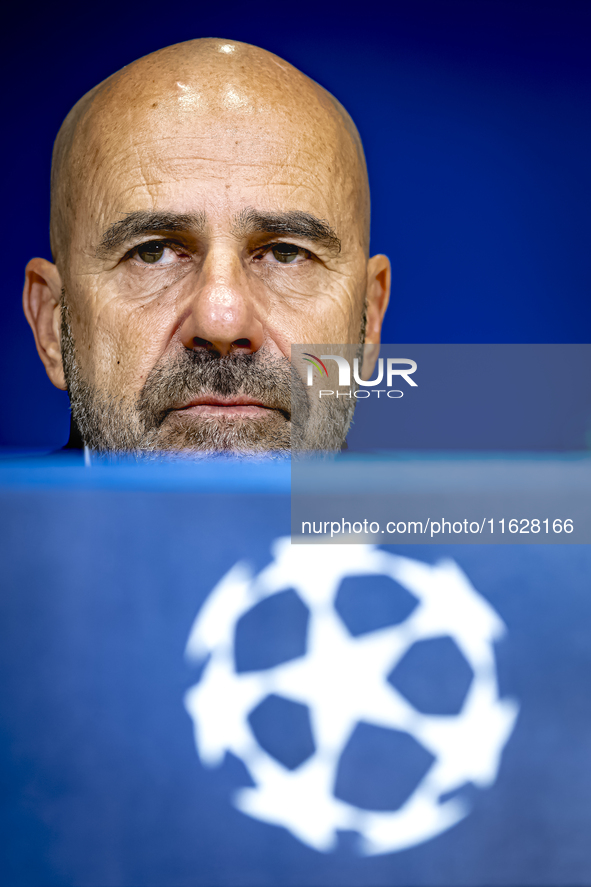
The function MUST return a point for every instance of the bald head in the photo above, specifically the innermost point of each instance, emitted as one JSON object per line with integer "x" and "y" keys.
{"x": 210, "y": 209}
{"x": 227, "y": 98}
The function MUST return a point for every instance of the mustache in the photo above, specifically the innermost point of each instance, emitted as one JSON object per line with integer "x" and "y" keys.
{"x": 175, "y": 381}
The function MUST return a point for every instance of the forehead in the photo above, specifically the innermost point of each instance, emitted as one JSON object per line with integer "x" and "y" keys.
{"x": 216, "y": 146}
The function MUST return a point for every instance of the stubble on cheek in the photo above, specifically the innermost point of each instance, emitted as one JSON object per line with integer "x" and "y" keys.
{"x": 106, "y": 420}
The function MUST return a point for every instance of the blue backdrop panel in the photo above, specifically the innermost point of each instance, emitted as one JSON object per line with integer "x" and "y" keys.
{"x": 475, "y": 122}
{"x": 102, "y": 780}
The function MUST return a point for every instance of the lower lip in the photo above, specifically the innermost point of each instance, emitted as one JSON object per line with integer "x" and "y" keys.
{"x": 209, "y": 409}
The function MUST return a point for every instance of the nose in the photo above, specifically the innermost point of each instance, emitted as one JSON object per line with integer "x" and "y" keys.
{"x": 223, "y": 314}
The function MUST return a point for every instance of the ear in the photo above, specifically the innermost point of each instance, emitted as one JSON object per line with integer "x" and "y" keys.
{"x": 378, "y": 296}
{"x": 42, "y": 306}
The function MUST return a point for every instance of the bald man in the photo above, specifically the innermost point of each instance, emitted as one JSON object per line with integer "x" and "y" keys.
{"x": 209, "y": 208}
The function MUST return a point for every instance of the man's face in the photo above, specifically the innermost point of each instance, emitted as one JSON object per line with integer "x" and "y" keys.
{"x": 211, "y": 230}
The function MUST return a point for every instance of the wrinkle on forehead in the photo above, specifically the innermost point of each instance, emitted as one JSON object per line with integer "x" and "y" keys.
{"x": 218, "y": 86}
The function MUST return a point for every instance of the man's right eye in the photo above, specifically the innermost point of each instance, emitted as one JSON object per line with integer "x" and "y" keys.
{"x": 150, "y": 252}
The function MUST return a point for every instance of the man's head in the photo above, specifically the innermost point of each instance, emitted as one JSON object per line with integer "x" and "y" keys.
{"x": 210, "y": 207}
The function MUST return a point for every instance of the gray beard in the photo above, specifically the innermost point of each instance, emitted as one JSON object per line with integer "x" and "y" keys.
{"x": 151, "y": 425}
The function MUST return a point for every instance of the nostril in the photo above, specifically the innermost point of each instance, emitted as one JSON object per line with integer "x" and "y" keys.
{"x": 202, "y": 343}
{"x": 242, "y": 344}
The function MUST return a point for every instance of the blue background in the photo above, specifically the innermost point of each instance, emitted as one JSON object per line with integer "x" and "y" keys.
{"x": 476, "y": 122}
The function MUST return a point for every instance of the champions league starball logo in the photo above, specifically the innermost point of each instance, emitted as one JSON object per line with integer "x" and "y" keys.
{"x": 346, "y": 682}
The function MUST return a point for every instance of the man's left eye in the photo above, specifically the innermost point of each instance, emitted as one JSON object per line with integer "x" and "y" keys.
{"x": 153, "y": 253}
{"x": 287, "y": 253}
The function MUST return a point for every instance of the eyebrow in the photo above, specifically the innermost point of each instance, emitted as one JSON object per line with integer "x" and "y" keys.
{"x": 140, "y": 224}
{"x": 296, "y": 222}
{"x": 249, "y": 221}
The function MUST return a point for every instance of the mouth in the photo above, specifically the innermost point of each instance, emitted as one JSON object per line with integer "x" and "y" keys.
{"x": 213, "y": 405}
